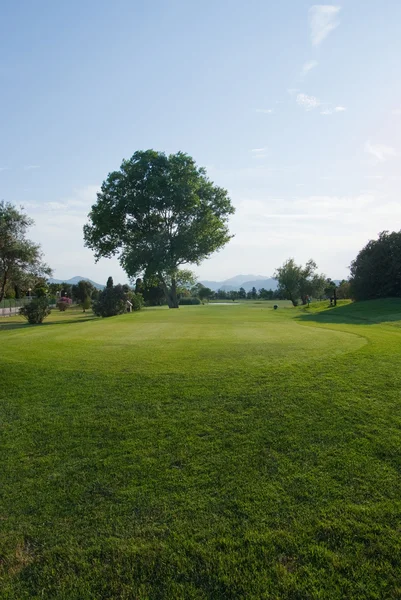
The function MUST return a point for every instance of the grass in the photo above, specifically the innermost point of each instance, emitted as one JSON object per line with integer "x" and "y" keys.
{"x": 205, "y": 453}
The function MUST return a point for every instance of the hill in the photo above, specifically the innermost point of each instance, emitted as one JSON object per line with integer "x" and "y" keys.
{"x": 77, "y": 279}
{"x": 245, "y": 281}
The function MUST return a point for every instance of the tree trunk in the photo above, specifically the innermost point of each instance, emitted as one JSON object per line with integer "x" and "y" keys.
{"x": 291, "y": 297}
{"x": 171, "y": 293}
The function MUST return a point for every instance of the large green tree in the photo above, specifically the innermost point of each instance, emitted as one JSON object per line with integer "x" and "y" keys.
{"x": 297, "y": 282}
{"x": 158, "y": 213}
{"x": 21, "y": 261}
{"x": 376, "y": 271}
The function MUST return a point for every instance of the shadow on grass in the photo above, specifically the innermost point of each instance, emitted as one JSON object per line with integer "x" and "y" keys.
{"x": 21, "y": 325}
{"x": 370, "y": 312}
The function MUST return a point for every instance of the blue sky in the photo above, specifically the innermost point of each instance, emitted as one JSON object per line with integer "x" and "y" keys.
{"x": 294, "y": 107}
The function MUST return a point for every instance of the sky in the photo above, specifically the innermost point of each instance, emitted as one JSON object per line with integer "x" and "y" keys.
{"x": 294, "y": 107}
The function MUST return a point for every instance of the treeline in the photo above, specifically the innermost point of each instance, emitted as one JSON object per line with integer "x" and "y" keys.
{"x": 375, "y": 272}
{"x": 241, "y": 294}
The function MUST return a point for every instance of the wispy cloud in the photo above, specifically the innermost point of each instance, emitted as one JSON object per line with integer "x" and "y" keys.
{"x": 322, "y": 20}
{"x": 259, "y": 152}
{"x": 58, "y": 228}
{"x": 292, "y": 91}
{"x": 31, "y": 167}
{"x": 308, "y": 102}
{"x": 397, "y": 112}
{"x": 308, "y": 66}
{"x": 267, "y": 111}
{"x": 330, "y": 111}
{"x": 379, "y": 151}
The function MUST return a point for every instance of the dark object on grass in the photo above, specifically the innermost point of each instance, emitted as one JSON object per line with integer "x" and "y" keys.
{"x": 275, "y": 307}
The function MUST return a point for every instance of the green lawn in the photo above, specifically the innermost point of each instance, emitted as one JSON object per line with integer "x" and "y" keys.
{"x": 202, "y": 453}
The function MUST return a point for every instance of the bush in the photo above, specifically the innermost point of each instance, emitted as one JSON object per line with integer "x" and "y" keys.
{"x": 112, "y": 301}
{"x": 189, "y": 301}
{"x": 36, "y": 310}
{"x": 136, "y": 301}
{"x": 62, "y": 305}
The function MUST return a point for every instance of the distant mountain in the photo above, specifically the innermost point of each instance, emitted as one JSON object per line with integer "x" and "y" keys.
{"x": 245, "y": 281}
{"x": 241, "y": 279}
{"x": 268, "y": 283}
{"x": 77, "y": 279}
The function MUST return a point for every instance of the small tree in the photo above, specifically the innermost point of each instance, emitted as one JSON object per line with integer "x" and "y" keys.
{"x": 87, "y": 303}
{"x": 344, "y": 290}
{"x": 82, "y": 290}
{"x": 205, "y": 293}
{"x": 36, "y": 310}
{"x": 295, "y": 281}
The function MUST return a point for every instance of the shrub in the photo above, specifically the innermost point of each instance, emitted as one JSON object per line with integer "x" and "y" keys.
{"x": 62, "y": 305}
{"x": 36, "y": 310}
{"x": 112, "y": 301}
{"x": 188, "y": 301}
{"x": 136, "y": 300}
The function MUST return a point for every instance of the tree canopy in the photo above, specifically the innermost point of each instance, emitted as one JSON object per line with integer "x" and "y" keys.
{"x": 376, "y": 271}
{"x": 158, "y": 213}
{"x": 297, "y": 282}
{"x": 84, "y": 291}
{"x": 20, "y": 259}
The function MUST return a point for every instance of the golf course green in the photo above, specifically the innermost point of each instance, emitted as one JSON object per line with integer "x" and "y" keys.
{"x": 214, "y": 451}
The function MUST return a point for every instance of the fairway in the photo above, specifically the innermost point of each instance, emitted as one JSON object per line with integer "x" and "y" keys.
{"x": 202, "y": 453}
